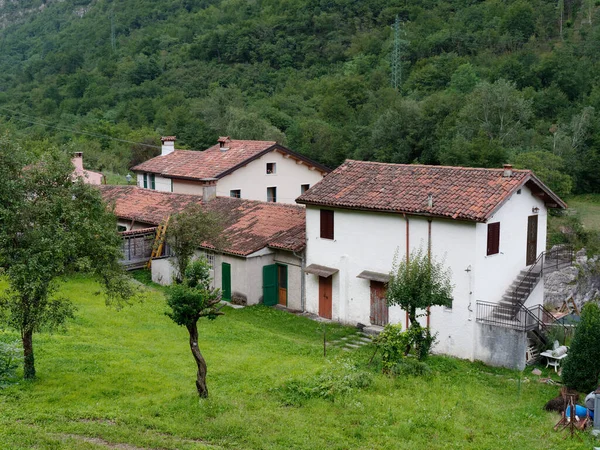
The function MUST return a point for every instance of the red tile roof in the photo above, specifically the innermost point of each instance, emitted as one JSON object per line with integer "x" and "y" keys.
{"x": 214, "y": 162}
{"x": 457, "y": 192}
{"x": 249, "y": 225}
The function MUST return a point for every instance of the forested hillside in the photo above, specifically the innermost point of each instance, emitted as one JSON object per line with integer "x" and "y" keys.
{"x": 478, "y": 83}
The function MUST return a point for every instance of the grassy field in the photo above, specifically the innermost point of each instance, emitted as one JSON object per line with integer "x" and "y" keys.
{"x": 125, "y": 380}
{"x": 588, "y": 209}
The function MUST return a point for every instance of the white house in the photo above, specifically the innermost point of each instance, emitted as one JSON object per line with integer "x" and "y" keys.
{"x": 261, "y": 260}
{"x": 254, "y": 170}
{"x": 487, "y": 225}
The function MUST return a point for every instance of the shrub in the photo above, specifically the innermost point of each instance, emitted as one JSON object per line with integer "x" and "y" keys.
{"x": 395, "y": 344}
{"x": 582, "y": 367}
{"x": 337, "y": 380}
{"x": 10, "y": 358}
{"x": 411, "y": 366}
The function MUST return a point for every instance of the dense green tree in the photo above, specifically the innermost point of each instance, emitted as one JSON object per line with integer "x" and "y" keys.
{"x": 417, "y": 283}
{"x": 549, "y": 168}
{"x": 52, "y": 225}
{"x": 188, "y": 230}
{"x": 581, "y": 369}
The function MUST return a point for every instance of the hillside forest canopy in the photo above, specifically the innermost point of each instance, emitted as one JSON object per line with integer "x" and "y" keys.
{"x": 477, "y": 83}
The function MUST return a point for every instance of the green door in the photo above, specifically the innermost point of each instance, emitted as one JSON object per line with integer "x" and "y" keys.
{"x": 270, "y": 285}
{"x": 226, "y": 281}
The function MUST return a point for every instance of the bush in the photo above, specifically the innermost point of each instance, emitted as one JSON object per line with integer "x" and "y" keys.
{"x": 581, "y": 369}
{"x": 395, "y": 344}
{"x": 10, "y": 358}
{"x": 337, "y": 380}
{"x": 412, "y": 367}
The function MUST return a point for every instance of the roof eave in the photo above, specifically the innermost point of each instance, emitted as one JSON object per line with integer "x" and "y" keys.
{"x": 391, "y": 211}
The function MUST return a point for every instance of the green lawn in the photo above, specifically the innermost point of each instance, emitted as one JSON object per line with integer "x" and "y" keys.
{"x": 125, "y": 380}
{"x": 588, "y": 208}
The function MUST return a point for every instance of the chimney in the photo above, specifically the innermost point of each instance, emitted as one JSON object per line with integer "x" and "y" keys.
{"x": 209, "y": 189}
{"x": 77, "y": 161}
{"x": 223, "y": 143}
{"x": 507, "y": 171}
{"x": 168, "y": 145}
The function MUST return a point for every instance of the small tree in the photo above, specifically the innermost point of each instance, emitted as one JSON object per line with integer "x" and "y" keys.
{"x": 190, "y": 300}
{"x": 419, "y": 283}
{"x": 188, "y": 230}
{"x": 51, "y": 226}
{"x": 581, "y": 369}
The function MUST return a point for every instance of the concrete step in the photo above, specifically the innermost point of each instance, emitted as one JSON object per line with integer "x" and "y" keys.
{"x": 372, "y": 330}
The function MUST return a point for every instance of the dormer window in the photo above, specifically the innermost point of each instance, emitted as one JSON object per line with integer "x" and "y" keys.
{"x": 271, "y": 168}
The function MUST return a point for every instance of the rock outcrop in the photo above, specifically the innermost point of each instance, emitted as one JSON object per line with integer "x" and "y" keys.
{"x": 580, "y": 281}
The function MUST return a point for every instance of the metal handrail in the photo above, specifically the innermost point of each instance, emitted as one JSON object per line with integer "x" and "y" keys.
{"x": 558, "y": 254}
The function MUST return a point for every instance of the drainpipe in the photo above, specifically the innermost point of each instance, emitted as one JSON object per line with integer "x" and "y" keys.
{"x": 302, "y": 280}
{"x": 407, "y": 253}
{"x": 429, "y": 259}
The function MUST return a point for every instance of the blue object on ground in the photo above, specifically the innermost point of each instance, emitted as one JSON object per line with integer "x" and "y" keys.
{"x": 580, "y": 411}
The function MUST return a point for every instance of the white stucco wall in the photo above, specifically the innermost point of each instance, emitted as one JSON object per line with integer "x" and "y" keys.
{"x": 253, "y": 180}
{"x": 368, "y": 241}
{"x": 294, "y": 283}
{"x": 495, "y": 273}
{"x": 187, "y": 187}
{"x": 160, "y": 183}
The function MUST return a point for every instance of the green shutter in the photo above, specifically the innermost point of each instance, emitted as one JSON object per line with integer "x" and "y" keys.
{"x": 226, "y": 281}
{"x": 153, "y": 181}
{"x": 270, "y": 285}
{"x": 145, "y": 181}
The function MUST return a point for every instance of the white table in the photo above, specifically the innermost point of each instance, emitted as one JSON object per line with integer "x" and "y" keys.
{"x": 552, "y": 360}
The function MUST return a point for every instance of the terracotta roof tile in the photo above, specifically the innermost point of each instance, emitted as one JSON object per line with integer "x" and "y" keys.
{"x": 210, "y": 163}
{"x": 249, "y": 225}
{"x": 457, "y": 192}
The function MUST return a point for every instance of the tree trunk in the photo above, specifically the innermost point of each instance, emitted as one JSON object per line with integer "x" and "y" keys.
{"x": 200, "y": 362}
{"x": 28, "y": 360}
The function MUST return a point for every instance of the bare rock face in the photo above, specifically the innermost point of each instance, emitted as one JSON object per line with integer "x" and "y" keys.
{"x": 580, "y": 281}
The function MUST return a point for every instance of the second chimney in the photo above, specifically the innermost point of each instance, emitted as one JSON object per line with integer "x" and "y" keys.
{"x": 168, "y": 145}
{"x": 507, "y": 171}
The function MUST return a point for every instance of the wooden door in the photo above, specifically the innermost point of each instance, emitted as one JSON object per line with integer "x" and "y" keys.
{"x": 270, "y": 285}
{"x": 282, "y": 284}
{"x": 325, "y": 303}
{"x": 532, "y": 232}
{"x": 379, "y": 307}
{"x": 226, "y": 281}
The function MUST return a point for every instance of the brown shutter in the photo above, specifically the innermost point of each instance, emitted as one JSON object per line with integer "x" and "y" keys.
{"x": 493, "y": 238}
{"x": 326, "y": 224}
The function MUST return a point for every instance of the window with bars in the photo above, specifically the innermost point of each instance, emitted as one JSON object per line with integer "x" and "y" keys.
{"x": 272, "y": 194}
{"x": 326, "y": 224}
{"x": 271, "y": 168}
{"x": 235, "y": 193}
{"x": 493, "y": 238}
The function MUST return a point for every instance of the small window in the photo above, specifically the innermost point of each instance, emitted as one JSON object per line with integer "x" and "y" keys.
{"x": 145, "y": 181}
{"x": 171, "y": 184}
{"x": 271, "y": 168}
{"x": 121, "y": 228}
{"x": 493, "y": 238}
{"x": 326, "y": 224}
{"x": 272, "y": 194}
{"x": 304, "y": 188}
{"x": 210, "y": 259}
{"x": 152, "y": 181}
{"x": 235, "y": 193}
